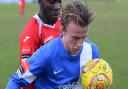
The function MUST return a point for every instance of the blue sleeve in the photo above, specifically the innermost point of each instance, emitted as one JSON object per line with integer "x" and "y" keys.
{"x": 14, "y": 82}
{"x": 34, "y": 67}
{"x": 95, "y": 52}
{"x": 39, "y": 61}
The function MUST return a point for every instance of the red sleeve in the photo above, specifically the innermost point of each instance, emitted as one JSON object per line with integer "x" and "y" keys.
{"x": 29, "y": 40}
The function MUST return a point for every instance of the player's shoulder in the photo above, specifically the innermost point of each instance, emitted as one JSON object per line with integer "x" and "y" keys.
{"x": 30, "y": 28}
{"x": 87, "y": 41}
{"x": 58, "y": 24}
{"x": 32, "y": 22}
{"x": 47, "y": 52}
{"x": 94, "y": 49}
{"x": 51, "y": 46}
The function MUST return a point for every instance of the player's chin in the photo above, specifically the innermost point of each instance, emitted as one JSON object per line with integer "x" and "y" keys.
{"x": 75, "y": 52}
{"x": 54, "y": 19}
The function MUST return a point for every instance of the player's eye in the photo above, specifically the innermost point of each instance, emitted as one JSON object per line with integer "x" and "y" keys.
{"x": 75, "y": 38}
{"x": 59, "y": 1}
{"x": 51, "y": 1}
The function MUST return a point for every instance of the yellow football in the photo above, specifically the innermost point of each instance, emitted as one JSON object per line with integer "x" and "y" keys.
{"x": 96, "y": 74}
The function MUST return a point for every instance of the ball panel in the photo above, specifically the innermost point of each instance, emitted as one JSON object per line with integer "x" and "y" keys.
{"x": 97, "y": 74}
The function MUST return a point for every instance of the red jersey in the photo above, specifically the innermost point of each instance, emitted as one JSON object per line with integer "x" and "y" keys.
{"x": 36, "y": 34}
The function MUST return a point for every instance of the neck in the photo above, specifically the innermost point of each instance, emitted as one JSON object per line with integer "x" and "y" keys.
{"x": 44, "y": 19}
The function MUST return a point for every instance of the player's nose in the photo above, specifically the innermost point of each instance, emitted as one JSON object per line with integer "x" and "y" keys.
{"x": 57, "y": 6}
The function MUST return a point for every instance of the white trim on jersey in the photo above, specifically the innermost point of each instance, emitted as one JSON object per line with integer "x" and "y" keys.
{"x": 85, "y": 56}
{"x": 40, "y": 24}
{"x": 28, "y": 76}
{"x": 40, "y": 21}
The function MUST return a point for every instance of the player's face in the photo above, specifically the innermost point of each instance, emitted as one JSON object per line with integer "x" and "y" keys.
{"x": 74, "y": 37}
{"x": 51, "y": 9}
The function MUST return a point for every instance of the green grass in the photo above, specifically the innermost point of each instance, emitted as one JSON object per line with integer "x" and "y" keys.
{"x": 108, "y": 31}
{"x": 11, "y": 25}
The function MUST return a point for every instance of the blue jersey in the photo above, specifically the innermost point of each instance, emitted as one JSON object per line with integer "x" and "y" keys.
{"x": 52, "y": 67}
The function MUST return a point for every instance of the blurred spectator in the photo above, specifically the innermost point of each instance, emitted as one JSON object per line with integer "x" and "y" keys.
{"x": 22, "y": 7}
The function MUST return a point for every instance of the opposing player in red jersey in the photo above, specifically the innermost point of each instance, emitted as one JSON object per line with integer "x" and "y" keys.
{"x": 22, "y": 7}
{"x": 40, "y": 29}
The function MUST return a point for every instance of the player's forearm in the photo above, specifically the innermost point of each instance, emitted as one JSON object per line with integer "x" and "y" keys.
{"x": 12, "y": 85}
{"x": 15, "y": 82}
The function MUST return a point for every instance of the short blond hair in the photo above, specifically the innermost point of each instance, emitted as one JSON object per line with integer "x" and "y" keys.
{"x": 77, "y": 12}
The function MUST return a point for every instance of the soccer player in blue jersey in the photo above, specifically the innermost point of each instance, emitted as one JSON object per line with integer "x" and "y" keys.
{"x": 58, "y": 64}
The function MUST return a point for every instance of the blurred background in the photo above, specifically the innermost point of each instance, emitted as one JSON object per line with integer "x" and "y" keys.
{"x": 15, "y": 1}
{"x": 109, "y": 31}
